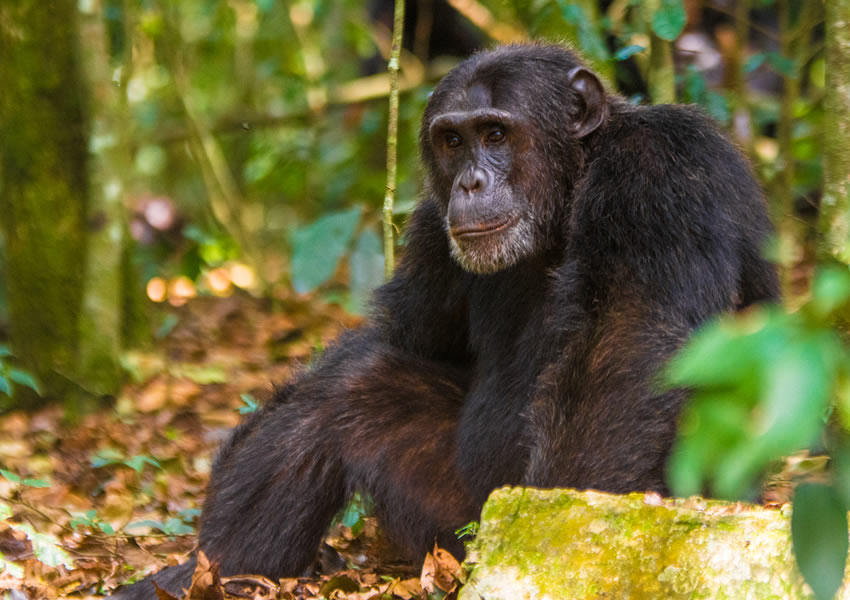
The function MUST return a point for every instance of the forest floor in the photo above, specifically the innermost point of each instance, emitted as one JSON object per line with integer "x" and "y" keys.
{"x": 114, "y": 496}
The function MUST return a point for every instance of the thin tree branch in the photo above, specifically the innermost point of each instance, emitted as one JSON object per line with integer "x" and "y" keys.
{"x": 392, "y": 140}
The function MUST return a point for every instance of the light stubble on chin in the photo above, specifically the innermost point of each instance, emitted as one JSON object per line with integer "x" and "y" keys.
{"x": 496, "y": 252}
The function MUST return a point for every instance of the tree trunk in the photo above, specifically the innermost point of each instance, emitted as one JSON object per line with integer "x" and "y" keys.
{"x": 835, "y": 206}
{"x": 43, "y": 166}
{"x": 100, "y": 322}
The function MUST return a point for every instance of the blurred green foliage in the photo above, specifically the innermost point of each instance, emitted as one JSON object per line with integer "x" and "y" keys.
{"x": 762, "y": 383}
{"x": 267, "y": 79}
{"x": 765, "y": 384}
{"x": 10, "y": 375}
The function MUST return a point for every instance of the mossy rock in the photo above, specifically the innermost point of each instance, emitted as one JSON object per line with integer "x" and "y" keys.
{"x": 549, "y": 544}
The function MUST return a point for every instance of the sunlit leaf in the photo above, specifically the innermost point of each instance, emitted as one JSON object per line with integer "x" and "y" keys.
{"x": 669, "y": 20}
{"x": 202, "y": 374}
{"x": 819, "y": 536}
{"x": 150, "y": 159}
{"x": 317, "y": 248}
{"x": 11, "y": 569}
{"x": 46, "y": 547}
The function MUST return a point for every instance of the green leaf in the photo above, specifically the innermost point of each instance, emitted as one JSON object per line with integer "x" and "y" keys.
{"x": 5, "y": 386}
{"x": 317, "y": 248}
{"x": 138, "y": 462}
{"x": 592, "y": 42}
{"x": 5, "y": 351}
{"x": 796, "y": 394}
{"x": 24, "y": 378}
{"x": 5, "y": 511}
{"x": 10, "y": 476}
{"x": 106, "y": 456}
{"x": 36, "y": 483}
{"x": 106, "y": 528}
{"x": 189, "y": 514}
{"x": 168, "y": 324}
{"x": 669, "y": 20}
{"x": 202, "y": 374}
{"x": 830, "y": 290}
{"x": 79, "y": 521}
{"x": 366, "y": 268}
{"x": 628, "y": 51}
{"x": 250, "y": 404}
{"x": 572, "y": 13}
{"x": 468, "y": 530}
{"x": 714, "y": 426}
{"x": 717, "y": 106}
{"x": 783, "y": 65}
{"x": 729, "y": 351}
{"x": 819, "y": 536}
{"x": 754, "y": 62}
{"x": 46, "y": 547}
{"x": 177, "y": 526}
{"x": 145, "y": 523}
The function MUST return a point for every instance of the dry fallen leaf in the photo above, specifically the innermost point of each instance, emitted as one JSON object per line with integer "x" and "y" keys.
{"x": 206, "y": 584}
{"x": 440, "y": 571}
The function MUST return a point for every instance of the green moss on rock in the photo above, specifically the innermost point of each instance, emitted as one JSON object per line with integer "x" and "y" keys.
{"x": 540, "y": 544}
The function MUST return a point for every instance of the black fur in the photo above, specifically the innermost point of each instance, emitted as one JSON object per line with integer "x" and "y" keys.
{"x": 541, "y": 373}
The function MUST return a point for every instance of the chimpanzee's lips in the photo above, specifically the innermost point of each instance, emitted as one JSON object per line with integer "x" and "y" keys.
{"x": 482, "y": 229}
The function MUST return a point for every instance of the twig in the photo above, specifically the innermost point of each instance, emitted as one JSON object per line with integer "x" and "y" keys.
{"x": 392, "y": 140}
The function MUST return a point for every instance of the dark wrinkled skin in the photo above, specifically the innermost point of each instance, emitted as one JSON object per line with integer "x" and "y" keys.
{"x": 551, "y": 269}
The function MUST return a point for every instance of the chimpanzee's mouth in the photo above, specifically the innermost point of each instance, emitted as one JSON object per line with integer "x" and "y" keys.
{"x": 483, "y": 229}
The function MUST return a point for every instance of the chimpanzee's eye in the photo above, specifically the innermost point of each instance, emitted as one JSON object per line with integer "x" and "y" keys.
{"x": 453, "y": 140}
{"x": 497, "y": 136}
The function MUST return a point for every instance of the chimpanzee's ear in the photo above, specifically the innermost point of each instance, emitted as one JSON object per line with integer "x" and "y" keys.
{"x": 589, "y": 112}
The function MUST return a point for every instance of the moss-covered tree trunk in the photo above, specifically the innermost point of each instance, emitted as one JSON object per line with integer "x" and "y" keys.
{"x": 100, "y": 323}
{"x": 835, "y": 206}
{"x": 43, "y": 185}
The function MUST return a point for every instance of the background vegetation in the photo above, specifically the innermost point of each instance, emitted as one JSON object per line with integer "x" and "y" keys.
{"x": 153, "y": 152}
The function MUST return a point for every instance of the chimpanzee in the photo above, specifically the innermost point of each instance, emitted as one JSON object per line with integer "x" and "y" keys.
{"x": 566, "y": 245}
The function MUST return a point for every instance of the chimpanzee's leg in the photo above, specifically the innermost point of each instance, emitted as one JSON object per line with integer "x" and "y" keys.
{"x": 367, "y": 417}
